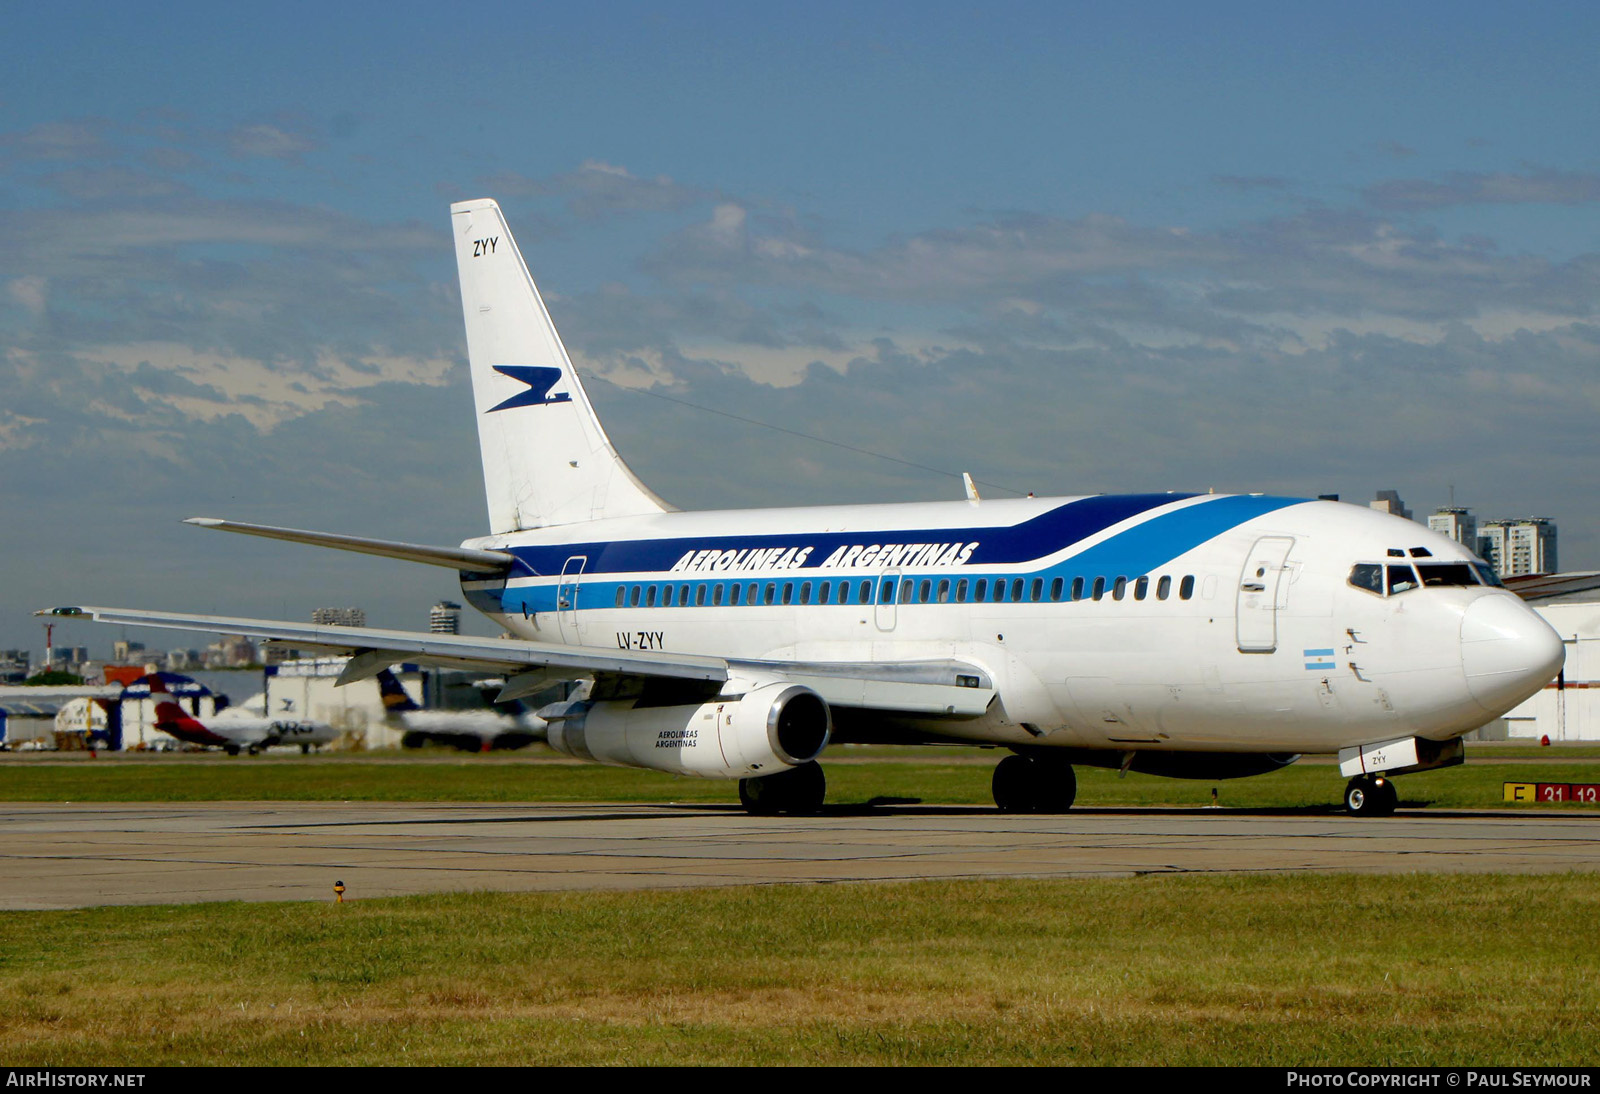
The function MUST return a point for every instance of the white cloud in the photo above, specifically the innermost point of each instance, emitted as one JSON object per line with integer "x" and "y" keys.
{"x": 269, "y": 142}
{"x": 264, "y": 393}
{"x": 30, "y": 292}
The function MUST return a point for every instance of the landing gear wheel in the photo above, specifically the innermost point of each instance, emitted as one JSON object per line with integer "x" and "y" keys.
{"x": 1370, "y": 796}
{"x": 1058, "y": 787}
{"x": 798, "y": 791}
{"x": 1026, "y": 784}
{"x": 232, "y": 750}
{"x": 1015, "y": 785}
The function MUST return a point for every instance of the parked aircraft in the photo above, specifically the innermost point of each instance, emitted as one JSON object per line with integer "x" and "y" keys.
{"x": 468, "y": 730}
{"x": 1189, "y": 635}
{"x": 234, "y": 729}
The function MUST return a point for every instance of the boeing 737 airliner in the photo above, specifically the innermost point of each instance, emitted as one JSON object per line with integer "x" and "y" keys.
{"x": 1189, "y": 635}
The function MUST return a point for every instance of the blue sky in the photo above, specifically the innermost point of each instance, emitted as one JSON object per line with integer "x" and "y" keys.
{"x": 1253, "y": 246}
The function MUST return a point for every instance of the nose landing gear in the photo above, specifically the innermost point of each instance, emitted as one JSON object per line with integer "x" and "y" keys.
{"x": 1370, "y": 796}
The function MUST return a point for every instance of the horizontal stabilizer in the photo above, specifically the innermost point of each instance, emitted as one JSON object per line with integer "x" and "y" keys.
{"x": 453, "y": 558}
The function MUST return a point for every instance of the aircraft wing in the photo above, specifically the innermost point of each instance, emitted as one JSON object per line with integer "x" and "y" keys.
{"x": 1536, "y": 587}
{"x": 953, "y": 689}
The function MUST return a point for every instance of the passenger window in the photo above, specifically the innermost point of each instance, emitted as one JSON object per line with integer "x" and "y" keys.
{"x": 944, "y": 591}
{"x": 906, "y": 588}
{"x": 650, "y": 597}
{"x": 866, "y": 592}
{"x": 980, "y": 589}
{"x": 788, "y": 592}
{"x": 999, "y": 590}
{"x": 961, "y": 591}
{"x": 805, "y": 592}
{"x": 1401, "y": 579}
{"x": 1186, "y": 587}
{"x": 887, "y": 591}
{"x": 923, "y": 590}
{"x": 1164, "y": 587}
{"x": 633, "y": 597}
{"x": 733, "y": 593}
{"x": 1055, "y": 588}
{"x": 683, "y": 594}
{"x": 1077, "y": 588}
{"x": 666, "y": 596}
{"x": 1119, "y": 589}
{"x": 750, "y": 593}
{"x": 1016, "y": 589}
{"x": 716, "y": 596}
{"x": 622, "y": 595}
{"x": 1140, "y": 588}
{"x": 1099, "y": 588}
{"x": 699, "y": 596}
{"x": 1036, "y": 591}
{"x": 772, "y": 592}
{"x": 1367, "y": 576}
{"x": 824, "y": 592}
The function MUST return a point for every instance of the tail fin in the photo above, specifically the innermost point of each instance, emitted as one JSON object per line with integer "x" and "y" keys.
{"x": 172, "y": 718}
{"x": 395, "y": 698}
{"x": 546, "y": 459}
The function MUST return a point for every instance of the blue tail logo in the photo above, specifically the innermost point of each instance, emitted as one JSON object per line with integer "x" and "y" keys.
{"x": 539, "y": 378}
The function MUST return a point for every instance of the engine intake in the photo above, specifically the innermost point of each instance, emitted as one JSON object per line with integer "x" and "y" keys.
{"x": 768, "y": 729}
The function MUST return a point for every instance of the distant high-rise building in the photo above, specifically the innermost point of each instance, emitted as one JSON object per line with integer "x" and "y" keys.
{"x": 1388, "y": 501}
{"x": 339, "y": 617}
{"x": 445, "y": 618}
{"x": 1457, "y": 523}
{"x": 125, "y": 652}
{"x": 1517, "y": 547}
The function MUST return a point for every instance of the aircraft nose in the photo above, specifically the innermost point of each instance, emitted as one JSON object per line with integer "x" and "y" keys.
{"x": 1507, "y": 652}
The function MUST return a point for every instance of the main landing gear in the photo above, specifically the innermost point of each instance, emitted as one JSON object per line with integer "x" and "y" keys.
{"x": 1370, "y": 796}
{"x": 799, "y": 790}
{"x": 1031, "y": 784}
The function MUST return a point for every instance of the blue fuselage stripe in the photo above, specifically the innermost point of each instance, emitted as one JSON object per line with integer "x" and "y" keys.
{"x": 997, "y": 545}
{"x": 1133, "y": 552}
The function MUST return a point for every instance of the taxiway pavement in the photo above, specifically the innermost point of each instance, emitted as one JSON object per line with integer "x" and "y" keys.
{"x": 66, "y": 855}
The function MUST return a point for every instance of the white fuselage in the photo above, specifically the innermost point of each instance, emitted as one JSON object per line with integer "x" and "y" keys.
{"x": 242, "y": 729}
{"x": 1225, "y": 623}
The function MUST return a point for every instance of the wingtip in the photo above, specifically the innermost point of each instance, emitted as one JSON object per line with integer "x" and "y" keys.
{"x": 204, "y": 522}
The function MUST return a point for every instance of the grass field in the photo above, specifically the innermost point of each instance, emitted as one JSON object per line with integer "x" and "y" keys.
{"x": 957, "y": 778}
{"x": 1178, "y": 970}
{"x": 1298, "y": 970}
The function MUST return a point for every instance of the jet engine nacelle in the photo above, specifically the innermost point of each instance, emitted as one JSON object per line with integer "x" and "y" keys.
{"x": 769, "y": 729}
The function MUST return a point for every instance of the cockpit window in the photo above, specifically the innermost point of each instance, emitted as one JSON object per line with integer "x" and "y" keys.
{"x": 1446, "y": 573}
{"x": 1486, "y": 572}
{"x": 1401, "y": 579}
{"x": 1368, "y": 576}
